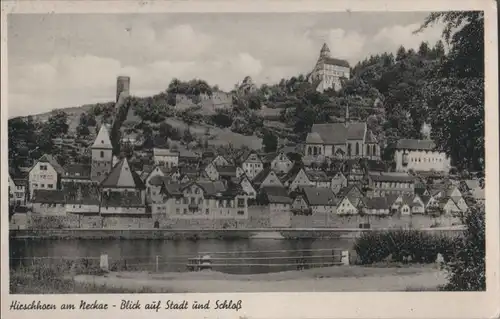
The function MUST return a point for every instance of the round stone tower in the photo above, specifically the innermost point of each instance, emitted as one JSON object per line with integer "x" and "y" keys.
{"x": 122, "y": 86}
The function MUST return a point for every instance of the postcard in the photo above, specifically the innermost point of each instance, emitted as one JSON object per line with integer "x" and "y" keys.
{"x": 250, "y": 159}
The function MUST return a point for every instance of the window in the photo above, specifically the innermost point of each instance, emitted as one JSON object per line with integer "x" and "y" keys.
{"x": 357, "y": 148}
{"x": 42, "y": 185}
{"x": 240, "y": 212}
{"x": 193, "y": 200}
{"x": 197, "y": 191}
{"x": 241, "y": 202}
{"x": 50, "y": 185}
{"x": 43, "y": 167}
{"x": 200, "y": 201}
{"x": 185, "y": 201}
{"x": 177, "y": 210}
{"x": 185, "y": 211}
{"x": 207, "y": 211}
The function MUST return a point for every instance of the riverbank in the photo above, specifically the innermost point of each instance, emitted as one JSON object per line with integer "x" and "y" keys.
{"x": 328, "y": 279}
{"x": 191, "y": 234}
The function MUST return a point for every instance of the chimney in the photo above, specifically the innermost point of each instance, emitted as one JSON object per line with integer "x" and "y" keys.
{"x": 122, "y": 86}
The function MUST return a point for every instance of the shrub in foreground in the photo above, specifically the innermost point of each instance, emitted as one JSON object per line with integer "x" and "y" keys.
{"x": 402, "y": 245}
{"x": 467, "y": 265}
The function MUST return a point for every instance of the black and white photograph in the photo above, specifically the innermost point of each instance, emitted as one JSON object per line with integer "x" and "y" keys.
{"x": 246, "y": 152}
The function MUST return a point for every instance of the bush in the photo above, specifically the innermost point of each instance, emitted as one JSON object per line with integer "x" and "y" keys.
{"x": 467, "y": 265}
{"x": 398, "y": 245}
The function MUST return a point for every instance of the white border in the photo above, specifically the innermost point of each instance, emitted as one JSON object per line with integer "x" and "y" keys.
{"x": 287, "y": 305}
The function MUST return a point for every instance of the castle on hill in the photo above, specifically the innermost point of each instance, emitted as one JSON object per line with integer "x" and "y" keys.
{"x": 329, "y": 71}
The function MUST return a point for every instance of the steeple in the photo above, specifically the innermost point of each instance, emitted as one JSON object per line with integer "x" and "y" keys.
{"x": 102, "y": 140}
{"x": 325, "y": 51}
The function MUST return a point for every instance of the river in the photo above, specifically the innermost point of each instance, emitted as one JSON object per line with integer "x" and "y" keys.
{"x": 237, "y": 256}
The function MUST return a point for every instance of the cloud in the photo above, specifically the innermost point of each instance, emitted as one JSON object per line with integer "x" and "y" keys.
{"x": 55, "y": 66}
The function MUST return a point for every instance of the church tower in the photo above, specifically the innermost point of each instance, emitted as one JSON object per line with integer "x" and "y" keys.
{"x": 325, "y": 51}
{"x": 102, "y": 155}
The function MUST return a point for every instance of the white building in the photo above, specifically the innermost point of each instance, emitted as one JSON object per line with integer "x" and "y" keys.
{"x": 252, "y": 164}
{"x": 329, "y": 71}
{"x": 45, "y": 174}
{"x": 420, "y": 155}
{"x": 165, "y": 157}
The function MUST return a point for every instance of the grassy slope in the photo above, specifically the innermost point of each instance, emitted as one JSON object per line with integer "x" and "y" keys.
{"x": 218, "y": 136}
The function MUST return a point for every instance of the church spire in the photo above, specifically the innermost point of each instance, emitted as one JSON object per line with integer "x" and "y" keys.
{"x": 325, "y": 51}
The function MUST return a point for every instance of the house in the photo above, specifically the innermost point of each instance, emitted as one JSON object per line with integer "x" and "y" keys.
{"x": 45, "y": 174}
{"x": 267, "y": 178}
{"x": 348, "y": 205}
{"x": 220, "y": 160}
{"x": 17, "y": 190}
{"x": 329, "y": 71}
{"x": 279, "y": 203}
{"x": 215, "y": 172}
{"x": 165, "y": 157}
{"x": 188, "y": 158}
{"x": 279, "y": 162}
{"x": 448, "y": 206}
{"x": 352, "y": 191}
{"x": 448, "y": 190}
{"x": 123, "y": 191}
{"x": 82, "y": 198}
{"x": 379, "y": 206}
{"x": 247, "y": 187}
{"x": 318, "y": 178}
{"x": 251, "y": 164}
{"x": 341, "y": 140}
{"x": 384, "y": 183}
{"x": 420, "y": 155}
{"x": 299, "y": 180}
{"x": 338, "y": 182}
{"x": 320, "y": 203}
{"x": 353, "y": 170}
{"x": 407, "y": 204}
{"x": 473, "y": 189}
{"x": 132, "y": 138}
{"x": 47, "y": 202}
{"x": 202, "y": 199}
{"x": 78, "y": 173}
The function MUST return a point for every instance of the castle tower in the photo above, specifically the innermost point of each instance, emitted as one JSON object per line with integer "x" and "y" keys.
{"x": 122, "y": 86}
{"x": 325, "y": 51}
{"x": 102, "y": 155}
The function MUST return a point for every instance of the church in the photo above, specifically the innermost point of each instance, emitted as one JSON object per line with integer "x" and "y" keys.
{"x": 329, "y": 71}
{"x": 341, "y": 141}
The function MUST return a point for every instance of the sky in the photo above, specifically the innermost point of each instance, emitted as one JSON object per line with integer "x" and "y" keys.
{"x": 67, "y": 60}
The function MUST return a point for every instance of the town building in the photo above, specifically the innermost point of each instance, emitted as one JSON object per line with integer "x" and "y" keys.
{"x": 17, "y": 190}
{"x": 123, "y": 192}
{"x": 204, "y": 199}
{"x": 328, "y": 71}
{"x": 387, "y": 183}
{"x": 102, "y": 155}
{"x": 319, "y": 203}
{"x": 338, "y": 182}
{"x": 165, "y": 157}
{"x": 215, "y": 172}
{"x": 267, "y": 178}
{"x": 279, "y": 162}
{"x": 340, "y": 141}
{"x": 76, "y": 173}
{"x": 82, "y": 198}
{"x": 251, "y": 163}
{"x": 45, "y": 175}
{"x": 420, "y": 155}
{"x": 279, "y": 203}
{"x": 47, "y": 202}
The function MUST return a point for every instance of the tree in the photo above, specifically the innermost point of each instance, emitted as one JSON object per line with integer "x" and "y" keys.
{"x": 401, "y": 54}
{"x": 423, "y": 50}
{"x": 222, "y": 119}
{"x": 58, "y": 123}
{"x": 467, "y": 266}
{"x": 270, "y": 142}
